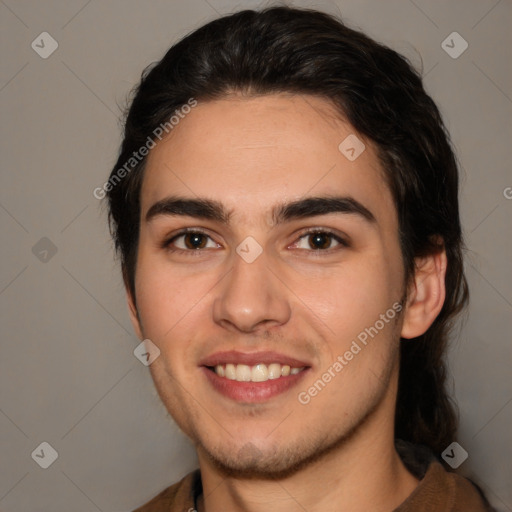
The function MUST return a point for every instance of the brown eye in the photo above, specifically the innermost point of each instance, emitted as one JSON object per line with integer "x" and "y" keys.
{"x": 191, "y": 241}
{"x": 195, "y": 240}
{"x": 320, "y": 240}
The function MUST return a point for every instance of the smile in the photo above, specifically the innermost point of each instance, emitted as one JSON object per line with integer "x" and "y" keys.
{"x": 253, "y": 377}
{"x": 258, "y": 373}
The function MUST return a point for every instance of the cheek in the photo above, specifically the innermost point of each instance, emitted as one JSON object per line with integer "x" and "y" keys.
{"x": 173, "y": 307}
{"x": 161, "y": 299}
{"x": 351, "y": 297}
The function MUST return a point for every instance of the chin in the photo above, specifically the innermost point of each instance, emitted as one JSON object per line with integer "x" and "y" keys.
{"x": 250, "y": 462}
{"x": 267, "y": 461}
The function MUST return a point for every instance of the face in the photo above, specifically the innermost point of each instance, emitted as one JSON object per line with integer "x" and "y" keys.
{"x": 264, "y": 254}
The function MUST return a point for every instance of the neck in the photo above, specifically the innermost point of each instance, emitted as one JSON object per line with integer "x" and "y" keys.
{"x": 363, "y": 473}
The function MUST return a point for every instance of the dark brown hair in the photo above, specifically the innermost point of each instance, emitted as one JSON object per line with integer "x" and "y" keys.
{"x": 283, "y": 49}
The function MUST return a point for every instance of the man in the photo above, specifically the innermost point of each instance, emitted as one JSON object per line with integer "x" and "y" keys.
{"x": 285, "y": 208}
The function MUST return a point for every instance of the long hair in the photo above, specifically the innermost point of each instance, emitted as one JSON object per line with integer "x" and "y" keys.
{"x": 283, "y": 49}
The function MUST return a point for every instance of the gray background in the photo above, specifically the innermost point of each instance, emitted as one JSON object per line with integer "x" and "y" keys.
{"x": 68, "y": 375}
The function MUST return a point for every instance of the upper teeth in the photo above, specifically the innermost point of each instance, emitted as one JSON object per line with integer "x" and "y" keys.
{"x": 257, "y": 373}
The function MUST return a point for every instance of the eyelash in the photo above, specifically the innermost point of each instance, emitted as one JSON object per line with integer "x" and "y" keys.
{"x": 312, "y": 231}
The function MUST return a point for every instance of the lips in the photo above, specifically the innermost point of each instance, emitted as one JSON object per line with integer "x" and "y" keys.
{"x": 238, "y": 382}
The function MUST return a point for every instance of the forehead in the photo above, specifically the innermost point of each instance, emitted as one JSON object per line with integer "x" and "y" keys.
{"x": 252, "y": 153}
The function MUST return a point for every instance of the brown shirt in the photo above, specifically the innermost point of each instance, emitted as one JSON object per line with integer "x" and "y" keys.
{"x": 438, "y": 490}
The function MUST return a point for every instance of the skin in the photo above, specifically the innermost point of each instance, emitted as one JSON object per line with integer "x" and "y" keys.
{"x": 253, "y": 154}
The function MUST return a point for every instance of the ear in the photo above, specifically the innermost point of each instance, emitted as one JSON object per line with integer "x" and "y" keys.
{"x": 425, "y": 295}
{"x": 134, "y": 315}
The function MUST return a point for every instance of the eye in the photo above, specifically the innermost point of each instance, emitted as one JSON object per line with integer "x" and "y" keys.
{"x": 319, "y": 241}
{"x": 191, "y": 240}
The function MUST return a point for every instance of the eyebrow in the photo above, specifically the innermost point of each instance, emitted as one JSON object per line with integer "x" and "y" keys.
{"x": 214, "y": 210}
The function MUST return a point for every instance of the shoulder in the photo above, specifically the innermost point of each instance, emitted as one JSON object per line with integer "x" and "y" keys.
{"x": 438, "y": 490}
{"x": 467, "y": 495}
{"x": 443, "y": 491}
{"x": 179, "y": 496}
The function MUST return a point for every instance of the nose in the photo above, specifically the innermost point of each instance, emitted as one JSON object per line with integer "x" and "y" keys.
{"x": 251, "y": 298}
